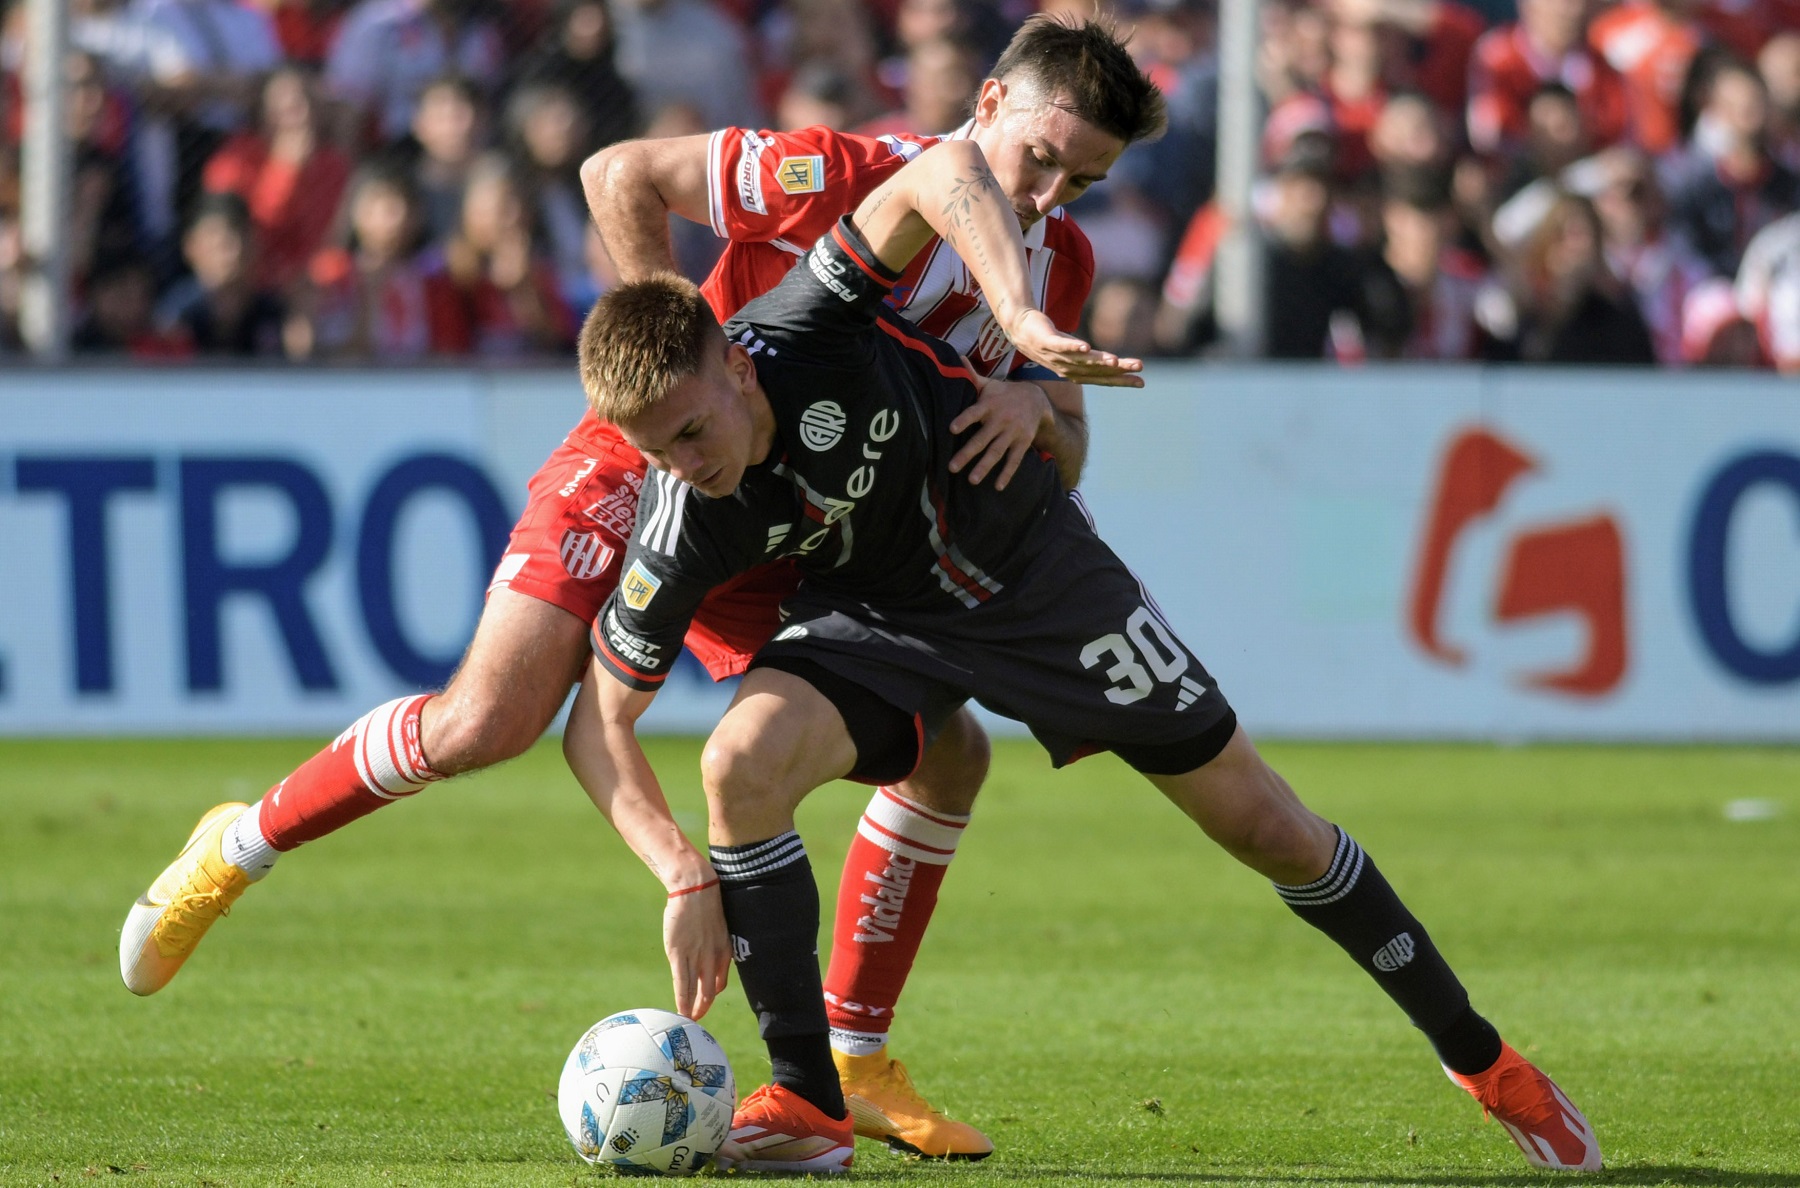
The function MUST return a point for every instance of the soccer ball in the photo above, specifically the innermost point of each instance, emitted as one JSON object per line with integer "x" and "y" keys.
{"x": 647, "y": 1092}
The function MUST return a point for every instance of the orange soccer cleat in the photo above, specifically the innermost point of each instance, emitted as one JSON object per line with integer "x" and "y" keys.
{"x": 1541, "y": 1119}
{"x": 777, "y": 1130}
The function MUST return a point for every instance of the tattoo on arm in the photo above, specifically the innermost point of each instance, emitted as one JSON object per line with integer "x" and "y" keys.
{"x": 966, "y": 194}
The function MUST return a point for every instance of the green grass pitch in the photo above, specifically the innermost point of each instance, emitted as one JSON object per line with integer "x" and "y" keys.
{"x": 1108, "y": 996}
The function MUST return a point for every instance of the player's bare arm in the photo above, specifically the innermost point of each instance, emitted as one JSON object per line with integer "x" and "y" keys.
{"x": 602, "y": 749}
{"x": 632, "y": 187}
{"x": 948, "y": 191}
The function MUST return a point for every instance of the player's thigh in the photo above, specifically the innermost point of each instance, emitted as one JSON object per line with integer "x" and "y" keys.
{"x": 952, "y": 770}
{"x": 780, "y": 739}
{"x": 512, "y": 681}
{"x": 1243, "y": 804}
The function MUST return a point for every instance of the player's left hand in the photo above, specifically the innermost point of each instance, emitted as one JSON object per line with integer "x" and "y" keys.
{"x": 1010, "y": 415}
{"x": 698, "y": 948}
{"x": 1037, "y": 336}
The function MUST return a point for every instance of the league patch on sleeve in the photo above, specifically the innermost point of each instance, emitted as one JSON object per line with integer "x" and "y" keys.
{"x": 639, "y": 586}
{"x": 801, "y": 175}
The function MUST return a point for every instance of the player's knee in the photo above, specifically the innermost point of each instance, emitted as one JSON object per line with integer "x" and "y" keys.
{"x": 742, "y": 775}
{"x": 473, "y": 728}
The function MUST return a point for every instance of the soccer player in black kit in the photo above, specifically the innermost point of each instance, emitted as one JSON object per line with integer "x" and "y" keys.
{"x": 815, "y": 426}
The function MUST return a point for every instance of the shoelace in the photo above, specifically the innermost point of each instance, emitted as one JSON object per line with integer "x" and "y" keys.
{"x": 187, "y": 915}
{"x": 1542, "y": 1109}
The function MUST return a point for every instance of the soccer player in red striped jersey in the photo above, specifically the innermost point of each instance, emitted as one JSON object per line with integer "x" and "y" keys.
{"x": 768, "y": 193}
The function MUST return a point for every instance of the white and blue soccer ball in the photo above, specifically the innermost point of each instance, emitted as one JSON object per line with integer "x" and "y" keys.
{"x": 647, "y": 1092}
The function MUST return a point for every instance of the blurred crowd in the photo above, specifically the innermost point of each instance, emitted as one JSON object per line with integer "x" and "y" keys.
{"x": 1567, "y": 181}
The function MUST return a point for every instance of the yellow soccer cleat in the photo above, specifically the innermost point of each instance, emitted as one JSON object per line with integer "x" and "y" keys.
{"x": 884, "y": 1104}
{"x": 168, "y": 920}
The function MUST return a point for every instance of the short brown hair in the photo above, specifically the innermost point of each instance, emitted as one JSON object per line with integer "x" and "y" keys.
{"x": 1084, "y": 68}
{"x": 640, "y": 340}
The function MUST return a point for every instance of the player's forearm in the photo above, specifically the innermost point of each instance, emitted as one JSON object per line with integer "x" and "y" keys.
{"x": 641, "y": 815}
{"x": 603, "y": 751}
{"x": 948, "y": 191}
{"x": 1064, "y": 435}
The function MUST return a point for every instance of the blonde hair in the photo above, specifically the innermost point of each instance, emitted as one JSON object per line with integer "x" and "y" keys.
{"x": 640, "y": 340}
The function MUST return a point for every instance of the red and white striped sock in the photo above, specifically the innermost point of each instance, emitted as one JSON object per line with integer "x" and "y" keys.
{"x": 375, "y": 762}
{"x": 890, "y": 887}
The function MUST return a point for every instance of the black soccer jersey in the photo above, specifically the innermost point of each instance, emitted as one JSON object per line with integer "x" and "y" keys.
{"x": 857, "y": 486}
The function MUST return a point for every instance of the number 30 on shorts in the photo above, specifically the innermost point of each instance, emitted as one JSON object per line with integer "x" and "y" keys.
{"x": 1147, "y": 640}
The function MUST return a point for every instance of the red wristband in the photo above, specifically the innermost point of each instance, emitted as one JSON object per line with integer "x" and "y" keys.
{"x": 713, "y": 882}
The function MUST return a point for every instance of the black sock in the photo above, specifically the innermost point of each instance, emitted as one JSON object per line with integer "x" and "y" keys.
{"x": 1353, "y": 905}
{"x": 772, "y": 911}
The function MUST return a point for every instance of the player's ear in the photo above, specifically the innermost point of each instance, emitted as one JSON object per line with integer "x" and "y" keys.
{"x": 738, "y": 364}
{"x": 987, "y": 102}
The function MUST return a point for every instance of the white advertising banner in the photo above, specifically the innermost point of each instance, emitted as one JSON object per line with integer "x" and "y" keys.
{"x": 207, "y": 552}
{"x": 1380, "y": 553}
{"x": 1461, "y": 553}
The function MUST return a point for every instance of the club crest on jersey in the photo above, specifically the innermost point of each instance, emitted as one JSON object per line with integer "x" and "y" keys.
{"x": 822, "y": 425}
{"x": 584, "y": 554}
{"x": 639, "y": 586}
{"x": 992, "y": 343}
{"x": 801, "y": 175}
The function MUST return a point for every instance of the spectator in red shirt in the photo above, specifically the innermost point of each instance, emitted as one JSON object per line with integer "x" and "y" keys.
{"x": 305, "y": 28}
{"x": 1744, "y": 26}
{"x": 290, "y": 179}
{"x": 1547, "y": 45}
{"x": 365, "y": 298}
{"x": 1651, "y": 43}
{"x": 490, "y": 290}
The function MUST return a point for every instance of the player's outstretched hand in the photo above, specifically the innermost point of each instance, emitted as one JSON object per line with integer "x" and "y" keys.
{"x": 1037, "y": 336}
{"x": 1007, "y": 418}
{"x": 699, "y": 949}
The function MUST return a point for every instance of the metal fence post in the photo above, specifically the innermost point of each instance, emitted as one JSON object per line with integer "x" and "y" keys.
{"x": 45, "y": 161}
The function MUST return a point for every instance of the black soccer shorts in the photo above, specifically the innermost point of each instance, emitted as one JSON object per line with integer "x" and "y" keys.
{"x": 1075, "y": 648}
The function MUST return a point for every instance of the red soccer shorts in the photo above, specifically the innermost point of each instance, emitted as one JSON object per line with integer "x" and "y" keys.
{"x": 569, "y": 544}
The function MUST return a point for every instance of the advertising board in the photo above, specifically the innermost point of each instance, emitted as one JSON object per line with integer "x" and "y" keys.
{"x": 1412, "y": 552}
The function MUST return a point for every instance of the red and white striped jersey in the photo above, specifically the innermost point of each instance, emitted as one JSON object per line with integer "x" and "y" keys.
{"x": 772, "y": 194}
{"x": 1652, "y": 50}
